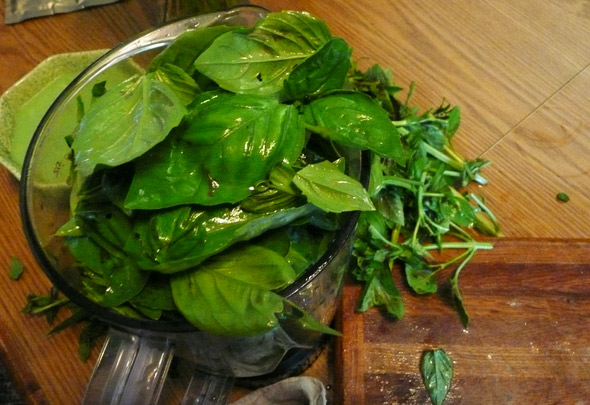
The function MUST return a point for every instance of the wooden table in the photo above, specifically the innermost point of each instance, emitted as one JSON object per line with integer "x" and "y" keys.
{"x": 520, "y": 71}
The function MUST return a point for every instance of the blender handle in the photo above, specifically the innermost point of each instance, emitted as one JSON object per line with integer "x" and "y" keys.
{"x": 208, "y": 389}
{"x": 132, "y": 369}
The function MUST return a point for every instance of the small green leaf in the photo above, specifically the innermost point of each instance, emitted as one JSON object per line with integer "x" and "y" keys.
{"x": 305, "y": 320}
{"x": 453, "y": 122}
{"x": 16, "y": 268}
{"x": 99, "y": 89}
{"x": 326, "y": 187}
{"x": 437, "y": 373}
{"x": 420, "y": 277}
{"x": 562, "y": 197}
{"x": 381, "y": 291}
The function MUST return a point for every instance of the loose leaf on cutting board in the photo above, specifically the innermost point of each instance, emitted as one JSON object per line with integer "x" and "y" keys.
{"x": 437, "y": 373}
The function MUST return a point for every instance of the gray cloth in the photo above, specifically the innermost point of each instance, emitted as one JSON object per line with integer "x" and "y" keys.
{"x": 290, "y": 391}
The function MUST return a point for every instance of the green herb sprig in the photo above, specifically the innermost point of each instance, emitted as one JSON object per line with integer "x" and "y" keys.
{"x": 51, "y": 304}
{"x": 421, "y": 207}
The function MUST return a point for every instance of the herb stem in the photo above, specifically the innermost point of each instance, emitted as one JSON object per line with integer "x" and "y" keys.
{"x": 54, "y": 304}
{"x": 473, "y": 245}
{"x": 398, "y": 182}
{"x": 451, "y": 152}
{"x": 466, "y": 260}
{"x": 420, "y": 209}
{"x": 455, "y": 164}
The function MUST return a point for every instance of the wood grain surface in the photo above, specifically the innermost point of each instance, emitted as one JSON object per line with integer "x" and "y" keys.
{"x": 520, "y": 72}
{"x": 527, "y": 341}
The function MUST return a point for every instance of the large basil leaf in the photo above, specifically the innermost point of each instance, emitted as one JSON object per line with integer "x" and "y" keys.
{"x": 252, "y": 264}
{"x": 326, "y": 187}
{"x": 168, "y": 175}
{"x": 179, "y": 81}
{"x": 228, "y": 143}
{"x": 181, "y": 238}
{"x": 325, "y": 70}
{"x": 126, "y": 122}
{"x": 258, "y": 61}
{"x": 230, "y": 293}
{"x": 354, "y": 119}
{"x": 187, "y": 47}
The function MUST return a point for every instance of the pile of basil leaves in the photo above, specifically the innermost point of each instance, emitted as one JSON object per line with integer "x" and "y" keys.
{"x": 211, "y": 182}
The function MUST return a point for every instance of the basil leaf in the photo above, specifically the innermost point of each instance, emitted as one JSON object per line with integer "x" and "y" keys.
{"x": 181, "y": 83}
{"x": 458, "y": 209}
{"x": 354, "y": 119}
{"x": 124, "y": 280}
{"x": 453, "y": 123}
{"x": 326, "y": 187}
{"x": 420, "y": 277}
{"x": 304, "y": 320}
{"x": 273, "y": 47}
{"x": 325, "y": 70}
{"x": 229, "y": 142}
{"x": 184, "y": 237}
{"x": 99, "y": 89}
{"x": 381, "y": 291}
{"x": 255, "y": 265}
{"x": 156, "y": 294}
{"x": 126, "y": 122}
{"x": 230, "y": 294}
{"x": 187, "y": 47}
{"x": 437, "y": 373}
{"x": 306, "y": 246}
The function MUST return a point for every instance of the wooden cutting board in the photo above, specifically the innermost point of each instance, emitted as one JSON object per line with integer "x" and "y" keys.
{"x": 527, "y": 342}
